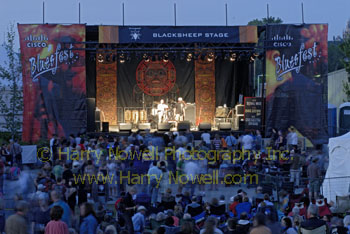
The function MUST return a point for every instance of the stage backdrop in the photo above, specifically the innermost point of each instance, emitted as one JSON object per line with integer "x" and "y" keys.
{"x": 296, "y": 76}
{"x": 140, "y": 81}
{"x": 54, "y": 92}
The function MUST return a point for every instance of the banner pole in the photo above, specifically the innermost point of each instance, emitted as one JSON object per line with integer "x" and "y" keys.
{"x": 226, "y": 12}
{"x": 43, "y": 12}
{"x": 79, "y": 12}
{"x": 175, "y": 14}
{"x": 302, "y": 13}
{"x": 123, "y": 14}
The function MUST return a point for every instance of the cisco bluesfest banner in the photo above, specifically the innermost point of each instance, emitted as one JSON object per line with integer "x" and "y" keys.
{"x": 54, "y": 92}
{"x": 296, "y": 75}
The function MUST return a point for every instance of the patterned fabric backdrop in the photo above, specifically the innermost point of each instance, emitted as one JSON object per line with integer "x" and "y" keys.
{"x": 106, "y": 91}
{"x": 205, "y": 91}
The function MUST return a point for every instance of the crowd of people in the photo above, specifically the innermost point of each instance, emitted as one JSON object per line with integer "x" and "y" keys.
{"x": 85, "y": 186}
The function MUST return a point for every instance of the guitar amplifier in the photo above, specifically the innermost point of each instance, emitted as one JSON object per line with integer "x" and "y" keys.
{"x": 221, "y": 112}
{"x": 218, "y": 121}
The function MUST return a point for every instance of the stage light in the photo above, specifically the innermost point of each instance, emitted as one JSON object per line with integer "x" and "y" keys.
{"x": 210, "y": 57}
{"x": 100, "y": 58}
{"x": 122, "y": 58}
{"x": 233, "y": 57}
{"x": 146, "y": 58}
{"x": 166, "y": 58}
{"x": 189, "y": 57}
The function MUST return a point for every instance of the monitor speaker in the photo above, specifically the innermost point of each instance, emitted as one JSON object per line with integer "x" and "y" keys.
{"x": 164, "y": 127}
{"x": 91, "y": 105}
{"x": 125, "y": 126}
{"x": 190, "y": 113}
{"x": 184, "y": 126}
{"x": 237, "y": 122}
{"x": 144, "y": 126}
{"x": 105, "y": 126}
{"x": 225, "y": 126}
{"x": 204, "y": 126}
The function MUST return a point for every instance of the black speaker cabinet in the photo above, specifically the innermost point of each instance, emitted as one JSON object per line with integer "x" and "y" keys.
{"x": 164, "y": 127}
{"x": 91, "y": 105}
{"x": 125, "y": 126}
{"x": 190, "y": 113}
{"x": 183, "y": 126}
{"x": 105, "y": 126}
{"x": 97, "y": 126}
{"x": 204, "y": 126}
{"x": 144, "y": 126}
{"x": 224, "y": 126}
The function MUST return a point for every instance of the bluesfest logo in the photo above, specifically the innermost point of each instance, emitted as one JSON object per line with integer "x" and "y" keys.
{"x": 57, "y": 56}
{"x": 295, "y": 62}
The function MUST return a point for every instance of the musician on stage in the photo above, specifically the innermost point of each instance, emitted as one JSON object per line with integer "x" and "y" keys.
{"x": 162, "y": 111}
{"x": 180, "y": 110}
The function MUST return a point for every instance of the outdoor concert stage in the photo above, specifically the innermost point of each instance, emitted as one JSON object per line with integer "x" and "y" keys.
{"x": 80, "y": 79}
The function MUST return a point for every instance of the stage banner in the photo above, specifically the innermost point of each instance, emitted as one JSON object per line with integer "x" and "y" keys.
{"x": 205, "y": 91}
{"x": 296, "y": 79}
{"x": 106, "y": 91}
{"x": 54, "y": 89}
{"x": 187, "y": 34}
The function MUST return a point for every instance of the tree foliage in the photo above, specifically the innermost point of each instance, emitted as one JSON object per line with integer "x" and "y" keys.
{"x": 345, "y": 48}
{"x": 264, "y": 21}
{"x": 11, "y": 98}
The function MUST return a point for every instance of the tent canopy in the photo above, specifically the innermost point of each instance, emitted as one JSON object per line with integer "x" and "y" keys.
{"x": 337, "y": 179}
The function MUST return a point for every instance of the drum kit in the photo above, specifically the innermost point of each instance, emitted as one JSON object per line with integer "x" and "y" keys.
{"x": 166, "y": 115}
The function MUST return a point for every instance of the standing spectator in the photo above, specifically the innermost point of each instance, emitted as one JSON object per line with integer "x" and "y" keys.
{"x": 89, "y": 223}
{"x": 164, "y": 182}
{"x": 293, "y": 138}
{"x": 154, "y": 174}
{"x": 192, "y": 170}
{"x": 259, "y": 226}
{"x": 2, "y": 170}
{"x": 247, "y": 142}
{"x": 313, "y": 173}
{"x": 5, "y": 153}
{"x": 56, "y": 198}
{"x": 258, "y": 140}
{"x": 56, "y": 226}
{"x": 231, "y": 141}
{"x": 205, "y": 136}
{"x": 16, "y": 153}
{"x": 280, "y": 140}
{"x": 296, "y": 164}
{"x": 17, "y": 223}
{"x": 216, "y": 144}
{"x": 138, "y": 220}
{"x": 41, "y": 214}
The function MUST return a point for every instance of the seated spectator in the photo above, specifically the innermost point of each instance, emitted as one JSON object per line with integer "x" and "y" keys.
{"x": 346, "y": 222}
{"x": 243, "y": 223}
{"x": 89, "y": 223}
{"x": 187, "y": 228}
{"x": 337, "y": 226}
{"x": 194, "y": 208}
{"x": 236, "y": 201}
{"x": 170, "y": 213}
{"x": 266, "y": 200}
{"x": 216, "y": 209}
{"x": 158, "y": 220}
{"x": 313, "y": 222}
{"x": 231, "y": 227}
{"x": 210, "y": 227}
{"x": 259, "y": 226}
{"x": 167, "y": 200}
{"x": 169, "y": 226}
{"x": 287, "y": 226}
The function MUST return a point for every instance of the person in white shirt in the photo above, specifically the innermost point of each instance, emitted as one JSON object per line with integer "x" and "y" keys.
{"x": 293, "y": 138}
{"x": 205, "y": 136}
{"x": 192, "y": 172}
{"x": 161, "y": 109}
{"x": 247, "y": 142}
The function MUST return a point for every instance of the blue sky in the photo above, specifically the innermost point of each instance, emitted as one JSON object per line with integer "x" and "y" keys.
{"x": 160, "y": 12}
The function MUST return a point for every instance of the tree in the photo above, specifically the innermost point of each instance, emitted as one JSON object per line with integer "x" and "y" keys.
{"x": 11, "y": 100}
{"x": 335, "y": 55}
{"x": 263, "y": 21}
{"x": 345, "y": 48}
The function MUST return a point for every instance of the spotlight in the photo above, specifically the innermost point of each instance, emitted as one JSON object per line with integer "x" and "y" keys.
{"x": 100, "y": 58}
{"x": 189, "y": 57}
{"x": 233, "y": 57}
{"x": 210, "y": 57}
{"x": 122, "y": 58}
{"x": 166, "y": 58}
{"x": 146, "y": 58}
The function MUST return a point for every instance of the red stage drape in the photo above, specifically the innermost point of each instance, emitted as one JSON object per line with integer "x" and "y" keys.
{"x": 205, "y": 91}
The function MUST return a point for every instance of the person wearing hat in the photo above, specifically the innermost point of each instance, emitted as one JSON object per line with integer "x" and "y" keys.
{"x": 314, "y": 173}
{"x": 138, "y": 220}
